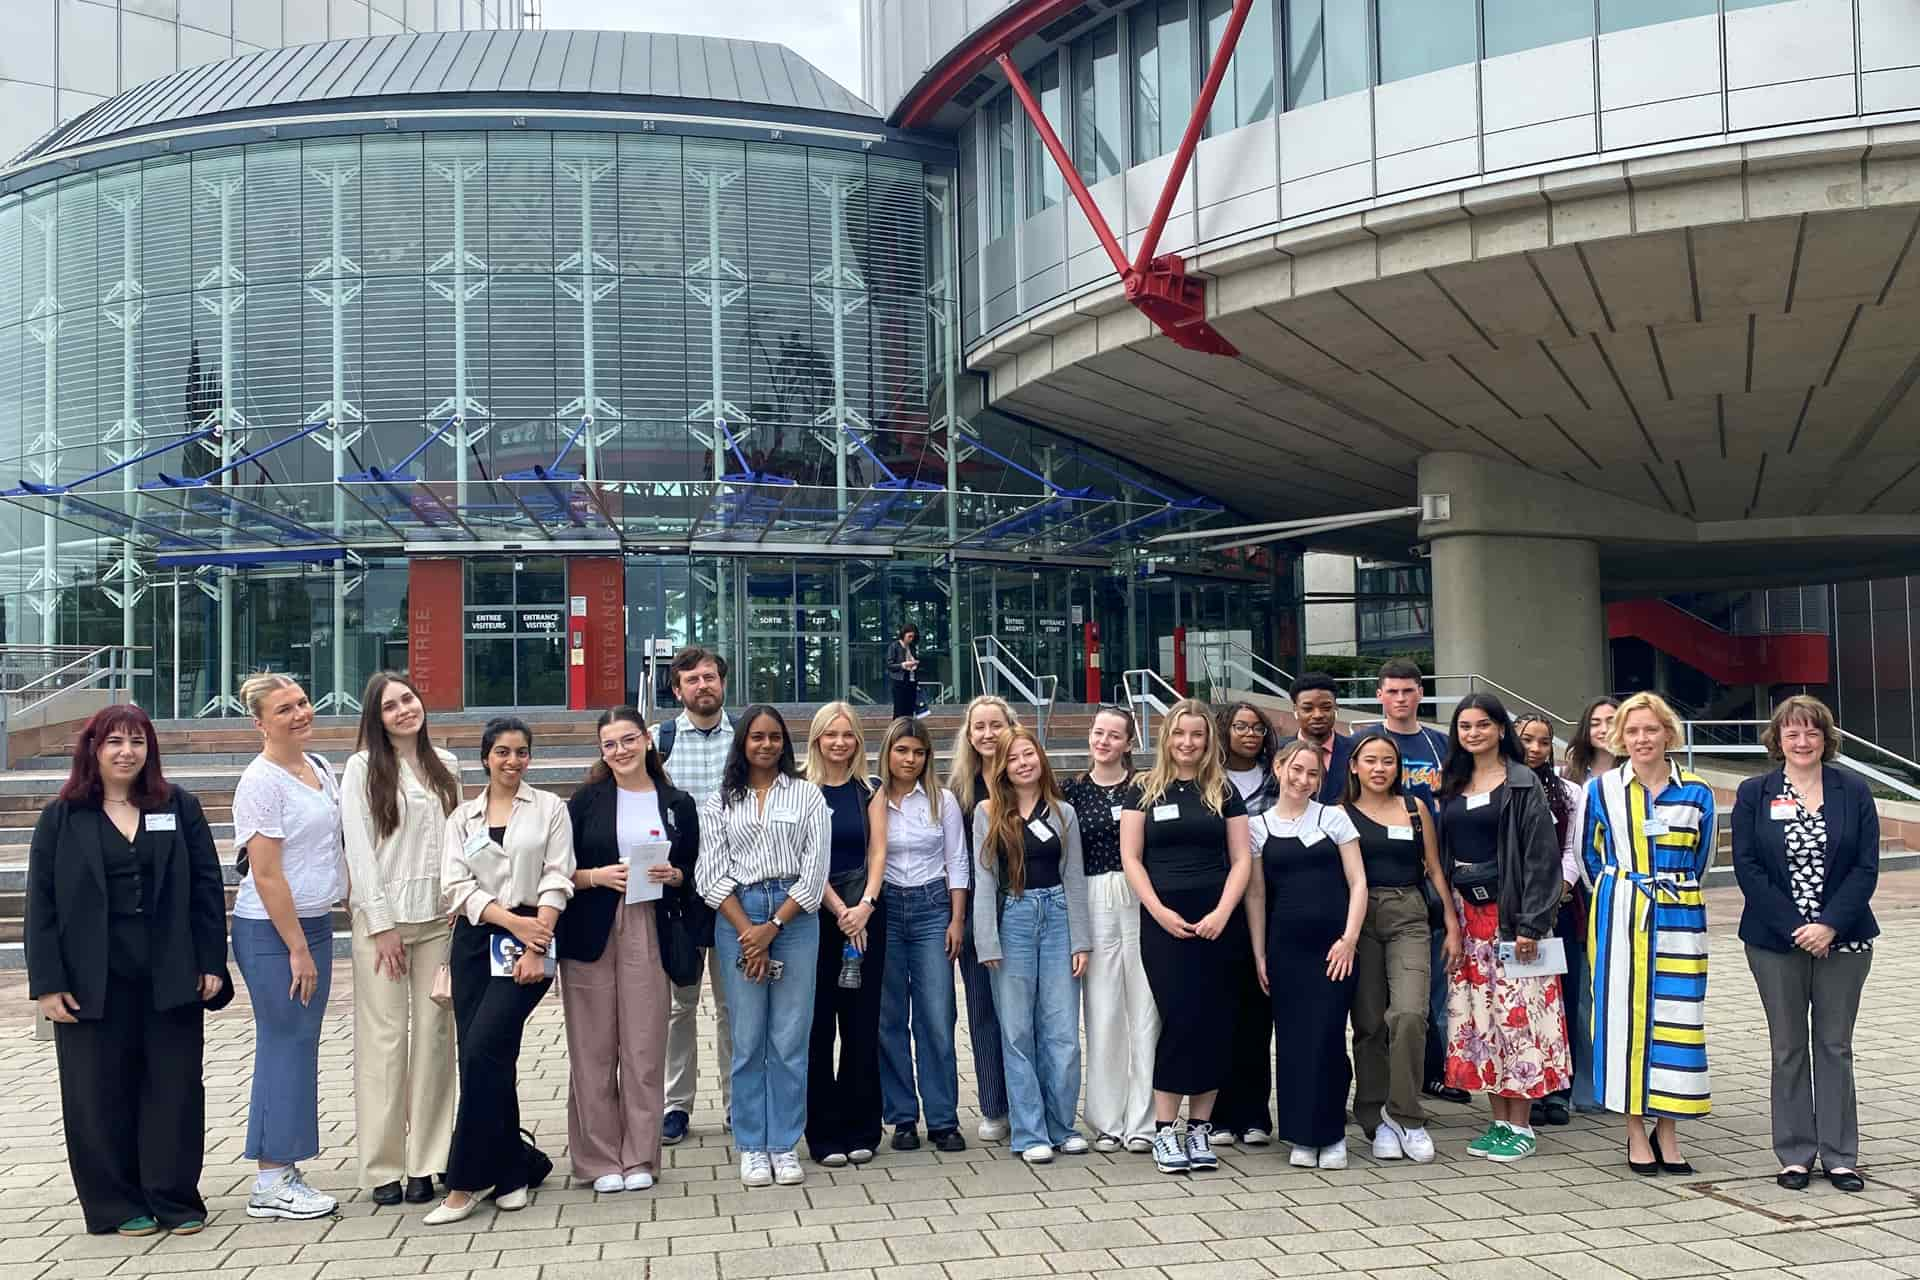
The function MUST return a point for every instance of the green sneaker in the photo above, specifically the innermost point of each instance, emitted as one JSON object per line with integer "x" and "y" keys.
{"x": 1512, "y": 1147}
{"x": 142, "y": 1226}
{"x": 1488, "y": 1142}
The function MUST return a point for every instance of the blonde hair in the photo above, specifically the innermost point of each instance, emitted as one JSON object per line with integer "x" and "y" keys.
{"x": 1644, "y": 701}
{"x": 1802, "y": 709}
{"x": 255, "y": 688}
{"x": 1006, "y": 837}
{"x": 822, "y": 721}
{"x": 1211, "y": 780}
{"x": 966, "y": 761}
{"x": 1298, "y": 745}
{"x": 908, "y": 727}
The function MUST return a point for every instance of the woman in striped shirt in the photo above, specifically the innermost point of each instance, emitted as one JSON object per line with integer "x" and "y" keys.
{"x": 764, "y": 839}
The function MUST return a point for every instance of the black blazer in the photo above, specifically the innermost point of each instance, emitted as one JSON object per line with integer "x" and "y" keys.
{"x": 67, "y": 925}
{"x": 1760, "y": 861}
{"x": 595, "y": 810}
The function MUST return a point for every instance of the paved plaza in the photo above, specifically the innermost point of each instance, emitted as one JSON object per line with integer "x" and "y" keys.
{"x": 1573, "y": 1212}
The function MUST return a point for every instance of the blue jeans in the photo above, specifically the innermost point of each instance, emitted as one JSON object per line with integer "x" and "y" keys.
{"x": 283, "y": 1118}
{"x": 772, "y": 1022}
{"x": 917, "y": 987}
{"x": 1038, "y": 999}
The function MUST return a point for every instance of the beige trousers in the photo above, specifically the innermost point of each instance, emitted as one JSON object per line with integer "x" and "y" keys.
{"x": 617, "y": 1049}
{"x": 404, "y": 1075}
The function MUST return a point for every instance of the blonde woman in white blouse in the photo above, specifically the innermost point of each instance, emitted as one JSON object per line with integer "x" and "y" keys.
{"x": 764, "y": 849}
{"x": 394, "y": 802}
{"x": 508, "y": 876}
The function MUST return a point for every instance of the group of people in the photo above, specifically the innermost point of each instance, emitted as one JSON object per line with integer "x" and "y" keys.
{"x": 1232, "y": 896}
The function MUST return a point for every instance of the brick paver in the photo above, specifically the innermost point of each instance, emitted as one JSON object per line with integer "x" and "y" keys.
{"x": 1572, "y": 1213}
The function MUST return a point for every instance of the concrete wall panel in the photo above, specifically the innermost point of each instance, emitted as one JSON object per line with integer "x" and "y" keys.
{"x": 1791, "y": 102}
{"x": 1795, "y": 40}
{"x": 1425, "y": 111}
{"x": 1326, "y": 191}
{"x": 1538, "y": 143}
{"x": 1895, "y": 90}
{"x": 1537, "y": 85}
{"x": 1889, "y": 36}
{"x": 1660, "y": 121}
{"x": 1235, "y": 164}
{"x": 1429, "y": 165}
{"x": 1326, "y": 136}
{"x": 1660, "y": 63}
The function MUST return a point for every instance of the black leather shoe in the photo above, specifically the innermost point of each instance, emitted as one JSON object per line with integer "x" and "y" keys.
{"x": 419, "y": 1190}
{"x": 387, "y": 1193}
{"x": 946, "y": 1139}
{"x": 1846, "y": 1180}
{"x": 906, "y": 1138}
{"x": 1666, "y": 1165}
{"x": 1445, "y": 1092}
{"x": 1645, "y": 1168}
{"x": 1793, "y": 1179}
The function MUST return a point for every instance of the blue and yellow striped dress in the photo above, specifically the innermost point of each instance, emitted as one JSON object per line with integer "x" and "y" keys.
{"x": 1647, "y": 942}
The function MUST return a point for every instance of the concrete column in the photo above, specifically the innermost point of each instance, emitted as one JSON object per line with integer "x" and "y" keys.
{"x": 1524, "y": 612}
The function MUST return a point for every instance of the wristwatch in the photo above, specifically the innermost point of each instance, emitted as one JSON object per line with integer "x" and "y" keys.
{"x": 869, "y": 902}
{"x": 776, "y": 922}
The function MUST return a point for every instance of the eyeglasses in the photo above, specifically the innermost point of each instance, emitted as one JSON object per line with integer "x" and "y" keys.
{"x": 629, "y": 743}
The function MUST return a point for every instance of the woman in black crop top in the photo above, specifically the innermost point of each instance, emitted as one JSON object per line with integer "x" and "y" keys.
{"x": 1399, "y": 846}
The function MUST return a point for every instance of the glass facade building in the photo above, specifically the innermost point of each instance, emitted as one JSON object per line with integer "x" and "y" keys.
{"x": 248, "y": 387}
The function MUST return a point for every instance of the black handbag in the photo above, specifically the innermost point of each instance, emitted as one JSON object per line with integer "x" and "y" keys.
{"x": 679, "y": 948}
{"x": 1477, "y": 882}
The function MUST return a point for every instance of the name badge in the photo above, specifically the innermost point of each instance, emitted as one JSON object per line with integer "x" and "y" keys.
{"x": 1041, "y": 831}
{"x": 161, "y": 822}
{"x": 1312, "y": 836}
{"x": 1399, "y": 833}
{"x": 785, "y": 819}
{"x": 476, "y": 842}
{"x": 1654, "y": 827}
{"x": 1115, "y": 811}
{"x": 1480, "y": 801}
{"x": 1165, "y": 812}
{"x": 1782, "y": 810}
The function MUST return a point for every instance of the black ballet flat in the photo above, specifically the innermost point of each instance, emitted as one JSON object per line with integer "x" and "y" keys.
{"x": 1666, "y": 1165}
{"x": 1793, "y": 1179}
{"x": 1846, "y": 1180}
{"x": 1645, "y": 1168}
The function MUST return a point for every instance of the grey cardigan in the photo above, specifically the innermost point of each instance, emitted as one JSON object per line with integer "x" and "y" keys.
{"x": 1073, "y": 878}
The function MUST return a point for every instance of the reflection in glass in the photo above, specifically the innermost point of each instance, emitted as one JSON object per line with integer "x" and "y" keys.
{"x": 1246, "y": 95}
{"x": 1513, "y": 25}
{"x": 1098, "y": 144}
{"x": 489, "y": 672}
{"x": 1163, "y": 76}
{"x": 1418, "y": 36}
{"x": 1045, "y": 188}
{"x": 1327, "y": 55}
{"x": 543, "y": 671}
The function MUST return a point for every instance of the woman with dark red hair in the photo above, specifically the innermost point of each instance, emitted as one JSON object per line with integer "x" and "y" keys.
{"x": 126, "y": 946}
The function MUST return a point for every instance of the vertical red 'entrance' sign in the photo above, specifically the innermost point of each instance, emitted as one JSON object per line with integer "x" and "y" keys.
{"x": 435, "y": 626}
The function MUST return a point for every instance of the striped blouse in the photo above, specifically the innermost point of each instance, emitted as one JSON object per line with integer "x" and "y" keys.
{"x": 741, "y": 845}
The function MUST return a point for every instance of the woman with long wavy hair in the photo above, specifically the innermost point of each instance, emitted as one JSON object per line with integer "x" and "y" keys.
{"x": 987, "y": 718}
{"x": 394, "y": 801}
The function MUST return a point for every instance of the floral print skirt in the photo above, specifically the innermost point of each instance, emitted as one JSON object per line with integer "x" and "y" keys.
{"x": 1506, "y": 1036}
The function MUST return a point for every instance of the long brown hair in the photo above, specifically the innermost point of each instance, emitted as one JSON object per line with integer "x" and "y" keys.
{"x": 383, "y": 765}
{"x": 656, "y": 768}
{"x": 1005, "y": 846}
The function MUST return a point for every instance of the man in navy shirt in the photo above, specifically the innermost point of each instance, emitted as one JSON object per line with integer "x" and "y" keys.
{"x": 1316, "y": 708}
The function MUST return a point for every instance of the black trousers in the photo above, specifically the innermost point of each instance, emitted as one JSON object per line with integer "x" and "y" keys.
{"x": 843, "y": 1099}
{"x": 906, "y": 698}
{"x": 489, "y": 1016}
{"x": 134, "y": 1107}
{"x": 1242, "y": 1104}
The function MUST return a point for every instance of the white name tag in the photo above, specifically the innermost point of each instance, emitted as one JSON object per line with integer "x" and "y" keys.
{"x": 1782, "y": 810}
{"x": 1312, "y": 836}
{"x": 1399, "y": 833}
{"x": 786, "y": 819}
{"x": 1654, "y": 827}
{"x": 1041, "y": 831}
{"x": 1165, "y": 812}
{"x": 476, "y": 842}
{"x": 161, "y": 822}
{"x": 1480, "y": 801}
{"x": 1115, "y": 811}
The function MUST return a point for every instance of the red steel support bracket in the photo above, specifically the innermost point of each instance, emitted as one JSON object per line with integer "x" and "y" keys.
{"x": 1158, "y": 286}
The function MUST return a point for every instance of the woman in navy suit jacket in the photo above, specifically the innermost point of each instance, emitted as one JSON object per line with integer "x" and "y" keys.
{"x": 1806, "y": 850}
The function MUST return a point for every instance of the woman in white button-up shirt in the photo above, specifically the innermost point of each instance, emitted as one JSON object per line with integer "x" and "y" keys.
{"x": 764, "y": 840}
{"x": 394, "y": 802}
{"x": 508, "y": 875}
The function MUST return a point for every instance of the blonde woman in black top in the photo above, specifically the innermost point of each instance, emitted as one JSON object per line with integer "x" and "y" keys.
{"x": 1183, "y": 841}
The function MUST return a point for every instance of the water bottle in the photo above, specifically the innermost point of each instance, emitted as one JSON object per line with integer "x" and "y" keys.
{"x": 850, "y": 966}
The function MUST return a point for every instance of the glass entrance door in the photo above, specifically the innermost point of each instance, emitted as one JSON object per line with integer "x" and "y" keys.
{"x": 516, "y": 631}
{"x": 795, "y": 631}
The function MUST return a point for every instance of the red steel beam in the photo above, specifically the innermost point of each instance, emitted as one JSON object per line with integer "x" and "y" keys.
{"x": 1058, "y": 150}
{"x": 1191, "y": 138}
{"x": 1007, "y": 30}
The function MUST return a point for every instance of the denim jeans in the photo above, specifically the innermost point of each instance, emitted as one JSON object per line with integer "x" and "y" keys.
{"x": 1038, "y": 1000}
{"x": 283, "y": 1117}
{"x": 772, "y": 1022}
{"x": 917, "y": 987}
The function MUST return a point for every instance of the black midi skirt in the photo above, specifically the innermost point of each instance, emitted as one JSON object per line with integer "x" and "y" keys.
{"x": 1193, "y": 985}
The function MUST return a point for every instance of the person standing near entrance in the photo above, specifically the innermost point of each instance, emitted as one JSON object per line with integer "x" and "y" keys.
{"x": 125, "y": 950}
{"x": 903, "y": 669}
{"x": 394, "y": 803}
{"x": 987, "y": 720}
{"x": 695, "y": 745}
{"x": 1423, "y": 754}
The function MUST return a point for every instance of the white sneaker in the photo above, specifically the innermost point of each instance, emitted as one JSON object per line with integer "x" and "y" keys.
{"x": 1139, "y": 1144}
{"x": 1386, "y": 1143}
{"x": 289, "y": 1196}
{"x": 1106, "y": 1143}
{"x": 1075, "y": 1145}
{"x": 1221, "y": 1137}
{"x": 608, "y": 1183}
{"x": 756, "y": 1169}
{"x": 1041, "y": 1154}
{"x": 1200, "y": 1146}
{"x": 1335, "y": 1156}
{"x": 786, "y": 1169}
{"x": 639, "y": 1180}
{"x": 1255, "y": 1138}
{"x": 1304, "y": 1157}
{"x": 1418, "y": 1145}
{"x": 994, "y": 1130}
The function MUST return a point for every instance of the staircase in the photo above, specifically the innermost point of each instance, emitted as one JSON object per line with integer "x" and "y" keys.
{"x": 207, "y": 757}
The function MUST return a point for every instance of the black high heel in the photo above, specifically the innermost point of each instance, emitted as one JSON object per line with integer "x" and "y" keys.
{"x": 1646, "y": 1169}
{"x": 1666, "y": 1165}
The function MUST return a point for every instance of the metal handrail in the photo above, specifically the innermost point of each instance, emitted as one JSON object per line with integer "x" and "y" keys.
{"x": 1145, "y": 700}
{"x": 1232, "y": 655}
{"x": 1474, "y": 682}
{"x": 1691, "y": 744}
{"x": 1039, "y": 691}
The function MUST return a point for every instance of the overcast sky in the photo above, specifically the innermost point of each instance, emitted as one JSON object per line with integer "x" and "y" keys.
{"x": 824, "y": 32}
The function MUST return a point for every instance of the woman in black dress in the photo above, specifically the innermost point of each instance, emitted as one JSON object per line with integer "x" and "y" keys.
{"x": 903, "y": 670}
{"x": 1183, "y": 844}
{"x": 1305, "y": 909}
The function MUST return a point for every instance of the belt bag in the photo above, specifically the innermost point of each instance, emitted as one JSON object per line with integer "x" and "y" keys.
{"x": 1477, "y": 882}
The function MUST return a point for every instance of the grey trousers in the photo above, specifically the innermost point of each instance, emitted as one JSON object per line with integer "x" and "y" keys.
{"x": 1814, "y": 1109}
